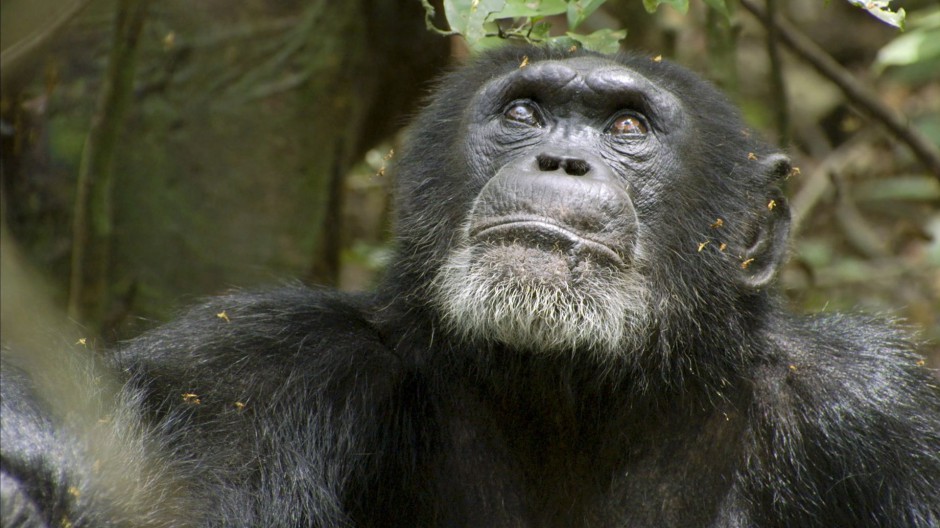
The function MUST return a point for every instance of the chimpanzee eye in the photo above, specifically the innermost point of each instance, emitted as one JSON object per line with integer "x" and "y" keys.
{"x": 627, "y": 125}
{"x": 523, "y": 112}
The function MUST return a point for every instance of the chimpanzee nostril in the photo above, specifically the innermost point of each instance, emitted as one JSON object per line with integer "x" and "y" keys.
{"x": 576, "y": 167}
{"x": 547, "y": 163}
{"x": 571, "y": 166}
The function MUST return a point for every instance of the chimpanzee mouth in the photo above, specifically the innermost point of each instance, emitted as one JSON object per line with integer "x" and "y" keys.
{"x": 546, "y": 235}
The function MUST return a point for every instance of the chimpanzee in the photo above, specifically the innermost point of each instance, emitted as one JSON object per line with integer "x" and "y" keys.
{"x": 579, "y": 329}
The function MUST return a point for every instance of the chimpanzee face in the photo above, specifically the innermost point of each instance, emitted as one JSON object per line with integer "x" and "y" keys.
{"x": 579, "y": 167}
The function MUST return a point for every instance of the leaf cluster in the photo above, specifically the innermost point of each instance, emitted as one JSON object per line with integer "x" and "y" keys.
{"x": 486, "y": 23}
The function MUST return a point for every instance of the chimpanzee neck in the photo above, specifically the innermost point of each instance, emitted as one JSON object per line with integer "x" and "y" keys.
{"x": 670, "y": 365}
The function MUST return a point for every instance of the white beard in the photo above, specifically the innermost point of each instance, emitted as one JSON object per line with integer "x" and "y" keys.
{"x": 542, "y": 301}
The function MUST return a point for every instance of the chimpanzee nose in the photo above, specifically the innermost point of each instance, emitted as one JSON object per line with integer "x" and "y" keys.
{"x": 572, "y": 166}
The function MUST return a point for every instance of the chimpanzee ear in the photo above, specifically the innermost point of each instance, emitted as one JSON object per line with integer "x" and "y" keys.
{"x": 767, "y": 249}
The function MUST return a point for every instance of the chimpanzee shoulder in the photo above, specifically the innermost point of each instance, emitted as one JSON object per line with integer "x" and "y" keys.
{"x": 843, "y": 411}
{"x": 249, "y": 346}
{"x": 238, "y": 378}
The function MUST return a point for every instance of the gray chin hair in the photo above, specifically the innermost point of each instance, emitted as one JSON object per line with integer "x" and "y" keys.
{"x": 542, "y": 301}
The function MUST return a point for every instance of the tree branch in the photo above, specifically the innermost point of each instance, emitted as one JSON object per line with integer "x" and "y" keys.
{"x": 93, "y": 217}
{"x": 778, "y": 88}
{"x": 854, "y": 90}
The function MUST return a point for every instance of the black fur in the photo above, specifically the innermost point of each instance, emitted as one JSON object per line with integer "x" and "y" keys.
{"x": 299, "y": 407}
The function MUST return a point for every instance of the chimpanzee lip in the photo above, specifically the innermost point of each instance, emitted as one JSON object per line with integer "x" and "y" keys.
{"x": 527, "y": 227}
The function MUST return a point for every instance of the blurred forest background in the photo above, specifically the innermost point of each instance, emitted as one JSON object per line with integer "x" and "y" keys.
{"x": 157, "y": 152}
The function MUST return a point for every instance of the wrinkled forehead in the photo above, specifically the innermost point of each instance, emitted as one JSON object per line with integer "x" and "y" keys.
{"x": 588, "y": 85}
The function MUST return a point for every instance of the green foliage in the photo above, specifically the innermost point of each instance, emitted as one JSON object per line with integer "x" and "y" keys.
{"x": 531, "y": 8}
{"x": 470, "y": 18}
{"x": 485, "y": 23}
{"x": 579, "y": 10}
{"x": 603, "y": 40}
{"x": 914, "y": 55}
{"x": 681, "y": 6}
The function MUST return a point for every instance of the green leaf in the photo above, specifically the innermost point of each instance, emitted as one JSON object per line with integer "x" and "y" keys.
{"x": 913, "y": 56}
{"x": 579, "y": 10}
{"x": 603, "y": 40}
{"x": 487, "y": 43}
{"x": 681, "y": 6}
{"x": 564, "y": 42}
{"x": 531, "y": 8}
{"x": 910, "y": 48}
{"x": 880, "y": 10}
{"x": 540, "y": 31}
{"x": 468, "y": 17}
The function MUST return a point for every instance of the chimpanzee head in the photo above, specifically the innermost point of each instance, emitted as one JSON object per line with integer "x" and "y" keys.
{"x": 561, "y": 201}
